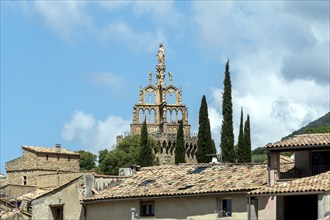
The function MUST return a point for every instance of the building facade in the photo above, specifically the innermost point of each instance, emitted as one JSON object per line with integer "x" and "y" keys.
{"x": 302, "y": 192}
{"x": 160, "y": 104}
{"x": 38, "y": 161}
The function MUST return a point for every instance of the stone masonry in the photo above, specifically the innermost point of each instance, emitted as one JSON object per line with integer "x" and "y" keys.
{"x": 37, "y": 161}
{"x": 161, "y": 105}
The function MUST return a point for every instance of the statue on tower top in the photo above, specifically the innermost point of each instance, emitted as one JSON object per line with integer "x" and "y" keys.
{"x": 161, "y": 54}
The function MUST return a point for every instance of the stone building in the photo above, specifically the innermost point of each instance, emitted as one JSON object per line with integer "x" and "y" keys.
{"x": 38, "y": 161}
{"x": 161, "y": 105}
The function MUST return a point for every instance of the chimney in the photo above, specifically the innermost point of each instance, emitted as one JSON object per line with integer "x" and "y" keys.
{"x": 58, "y": 148}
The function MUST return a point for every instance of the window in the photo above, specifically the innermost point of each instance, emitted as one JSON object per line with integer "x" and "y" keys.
{"x": 57, "y": 211}
{"x": 47, "y": 157}
{"x": 147, "y": 208}
{"x": 225, "y": 209}
{"x": 24, "y": 180}
{"x": 69, "y": 159}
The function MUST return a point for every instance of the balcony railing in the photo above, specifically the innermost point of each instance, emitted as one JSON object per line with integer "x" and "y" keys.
{"x": 299, "y": 172}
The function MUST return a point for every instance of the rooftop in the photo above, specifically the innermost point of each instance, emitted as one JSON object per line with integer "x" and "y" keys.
{"x": 317, "y": 183}
{"x": 303, "y": 140}
{"x": 187, "y": 179}
{"x": 53, "y": 150}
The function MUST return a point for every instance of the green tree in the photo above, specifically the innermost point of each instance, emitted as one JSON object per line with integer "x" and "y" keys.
{"x": 247, "y": 141}
{"x": 146, "y": 156}
{"x": 227, "y": 134}
{"x": 125, "y": 154}
{"x": 205, "y": 142}
{"x": 180, "y": 150}
{"x": 87, "y": 160}
{"x": 240, "y": 144}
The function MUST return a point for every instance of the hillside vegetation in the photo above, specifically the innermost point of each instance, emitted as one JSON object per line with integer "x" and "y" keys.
{"x": 320, "y": 125}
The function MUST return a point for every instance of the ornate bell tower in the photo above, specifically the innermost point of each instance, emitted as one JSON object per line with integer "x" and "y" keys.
{"x": 161, "y": 105}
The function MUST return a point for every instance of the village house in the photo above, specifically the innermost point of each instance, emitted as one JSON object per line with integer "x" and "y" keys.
{"x": 302, "y": 192}
{"x": 64, "y": 201}
{"x": 39, "y": 167}
{"x": 184, "y": 191}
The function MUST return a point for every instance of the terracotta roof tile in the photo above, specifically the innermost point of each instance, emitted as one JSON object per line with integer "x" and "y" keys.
{"x": 303, "y": 140}
{"x": 188, "y": 179}
{"x": 320, "y": 182}
{"x": 49, "y": 150}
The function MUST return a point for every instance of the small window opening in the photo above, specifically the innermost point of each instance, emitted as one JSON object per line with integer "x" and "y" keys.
{"x": 147, "y": 208}
{"x": 58, "y": 157}
{"x": 69, "y": 159}
{"x": 47, "y": 157}
{"x": 24, "y": 180}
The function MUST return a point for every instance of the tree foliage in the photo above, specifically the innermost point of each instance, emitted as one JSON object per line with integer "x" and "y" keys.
{"x": 146, "y": 156}
{"x": 125, "y": 154}
{"x": 322, "y": 129}
{"x": 87, "y": 160}
{"x": 227, "y": 133}
{"x": 240, "y": 144}
{"x": 205, "y": 143}
{"x": 247, "y": 141}
{"x": 180, "y": 150}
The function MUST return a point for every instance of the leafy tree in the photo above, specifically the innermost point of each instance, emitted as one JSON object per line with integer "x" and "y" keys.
{"x": 146, "y": 156}
{"x": 247, "y": 141}
{"x": 205, "y": 142}
{"x": 125, "y": 154}
{"x": 87, "y": 160}
{"x": 227, "y": 134}
{"x": 180, "y": 150}
{"x": 240, "y": 144}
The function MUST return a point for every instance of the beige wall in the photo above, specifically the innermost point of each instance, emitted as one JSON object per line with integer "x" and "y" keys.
{"x": 267, "y": 207}
{"x": 324, "y": 206}
{"x": 195, "y": 207}
{"x": 69, "y": 196}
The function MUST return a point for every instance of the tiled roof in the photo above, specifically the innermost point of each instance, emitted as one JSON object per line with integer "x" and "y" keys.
{"x": 49, "y": 150}
{"x": 303, "y": 140}
{"x": 317, "y": 183}
{"x": 188, "y": 179}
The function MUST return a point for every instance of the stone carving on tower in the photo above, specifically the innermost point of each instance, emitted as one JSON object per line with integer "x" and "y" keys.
{"x": 161, "y": 105}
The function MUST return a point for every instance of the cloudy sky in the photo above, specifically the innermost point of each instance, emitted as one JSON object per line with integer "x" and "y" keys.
{"x": 71, "y": 70}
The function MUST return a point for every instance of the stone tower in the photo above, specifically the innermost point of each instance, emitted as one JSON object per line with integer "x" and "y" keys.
{"x": 161, "y": 105}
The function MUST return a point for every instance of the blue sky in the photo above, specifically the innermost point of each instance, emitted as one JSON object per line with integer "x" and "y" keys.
{"x": 71, "y": 70}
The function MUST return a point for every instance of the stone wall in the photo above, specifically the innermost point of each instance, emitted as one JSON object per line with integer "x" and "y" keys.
{"x": 54, "y": 180}
{"x": 15, "y": 191}
{"x": 59, "y": 162}
{"x": 26, "y": 162}
{"x": 31, "y": 177}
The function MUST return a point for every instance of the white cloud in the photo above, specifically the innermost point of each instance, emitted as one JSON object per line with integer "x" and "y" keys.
{"x": 279, "y": 56}
{"x": 116, "y": 84}
{"x": 137, "y": 40}
{"x": 66, "y": 18}
{"x": 93, "y": 134}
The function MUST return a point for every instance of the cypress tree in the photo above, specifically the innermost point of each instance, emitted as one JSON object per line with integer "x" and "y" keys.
{"x": 180, "y": 150}
{"x": 205, "y": 142}
{"x": 240, "y": 145}
{"x": 247, "y": 141}
{"x": 227, "y": 133}
{"x": 146, "y": 156}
